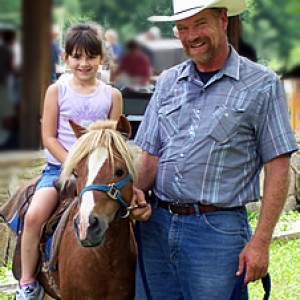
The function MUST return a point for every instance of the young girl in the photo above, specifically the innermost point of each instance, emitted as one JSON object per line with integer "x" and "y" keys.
{"x": 84, "y": 99}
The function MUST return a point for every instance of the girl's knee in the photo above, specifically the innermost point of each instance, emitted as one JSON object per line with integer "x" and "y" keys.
{"x": 33, "y": 220}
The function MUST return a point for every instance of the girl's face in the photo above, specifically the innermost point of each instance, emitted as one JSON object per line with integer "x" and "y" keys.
{"x": 83, "y": 66}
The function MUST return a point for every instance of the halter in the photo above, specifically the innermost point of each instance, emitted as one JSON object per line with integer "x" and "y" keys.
{"x": 113, "y": 192}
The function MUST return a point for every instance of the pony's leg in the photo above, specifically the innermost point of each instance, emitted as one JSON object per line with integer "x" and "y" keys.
{"x": 42, "y": 205}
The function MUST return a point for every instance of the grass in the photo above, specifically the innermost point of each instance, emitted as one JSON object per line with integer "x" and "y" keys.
{"x": 284, "y": 270}
{"x": 6, "y": 277}
{"x": 284, "y": 263}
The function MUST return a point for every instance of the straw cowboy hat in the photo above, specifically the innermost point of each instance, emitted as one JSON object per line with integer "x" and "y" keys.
{"x": 187, "y": 8}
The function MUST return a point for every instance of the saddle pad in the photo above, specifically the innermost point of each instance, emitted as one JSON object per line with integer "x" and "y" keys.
{"x": 53, "y": 242}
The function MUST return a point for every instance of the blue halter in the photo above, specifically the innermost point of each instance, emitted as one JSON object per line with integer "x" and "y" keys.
{"x": 111, "y": 189}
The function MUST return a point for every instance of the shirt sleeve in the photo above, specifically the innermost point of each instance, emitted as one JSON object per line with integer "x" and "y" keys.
{"x": 275, "y": 135}
{"x": 147, "y": 136}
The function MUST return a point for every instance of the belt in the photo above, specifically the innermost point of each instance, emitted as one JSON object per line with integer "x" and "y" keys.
{"x": 177, "y": 208}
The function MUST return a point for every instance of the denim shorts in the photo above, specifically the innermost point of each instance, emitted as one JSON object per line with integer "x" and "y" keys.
{"x": 50, "y": 173}
{"x": 192, "y": 257}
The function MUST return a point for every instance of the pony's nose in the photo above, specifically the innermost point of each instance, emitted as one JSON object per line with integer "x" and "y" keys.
{"x": 93, "y": 223}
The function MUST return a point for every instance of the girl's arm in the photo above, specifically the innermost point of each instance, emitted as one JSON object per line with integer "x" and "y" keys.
{"x": 117, "y": 105}
{"x": 49, "y": 124}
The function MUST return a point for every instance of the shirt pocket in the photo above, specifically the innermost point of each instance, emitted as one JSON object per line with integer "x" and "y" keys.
{"x": 169, "y": 118}
{"x": 225, "y": 124}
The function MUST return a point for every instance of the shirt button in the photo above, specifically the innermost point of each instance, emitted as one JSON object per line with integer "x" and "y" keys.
{"x": 181, "y": 155}
{"x": 198, "y": 111}
{"x": 226, "y": 114}
{"x": 176, "y": 178}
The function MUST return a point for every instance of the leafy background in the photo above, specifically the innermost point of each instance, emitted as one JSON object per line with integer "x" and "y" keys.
{"x": 271, "y": 26}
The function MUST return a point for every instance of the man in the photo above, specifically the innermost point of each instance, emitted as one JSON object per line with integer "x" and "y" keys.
{"x": 211, "y": 125}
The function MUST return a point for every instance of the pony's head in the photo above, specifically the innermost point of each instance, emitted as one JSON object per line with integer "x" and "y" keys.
{"x": 105, "y": 166}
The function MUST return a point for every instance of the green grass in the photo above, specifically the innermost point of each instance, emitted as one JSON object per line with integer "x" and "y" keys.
{"x": 284, "y": 266}
{"x": 6, "y": 277}
{"x": 284, "y": 269}
{"x": 6, "y": 297}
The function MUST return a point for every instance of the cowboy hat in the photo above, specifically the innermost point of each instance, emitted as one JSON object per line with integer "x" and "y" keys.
{"x": 187, "y": 8}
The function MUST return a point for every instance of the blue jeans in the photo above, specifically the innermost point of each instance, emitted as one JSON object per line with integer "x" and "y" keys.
{"x": 192, "y": 257}
{"x": 50, "y": 173}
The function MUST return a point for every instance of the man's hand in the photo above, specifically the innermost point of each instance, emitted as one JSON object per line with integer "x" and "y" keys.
{"x": 143, "y": 210}
{"x": 255, "y": 258}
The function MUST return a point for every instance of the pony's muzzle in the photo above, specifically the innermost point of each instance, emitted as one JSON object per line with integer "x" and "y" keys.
{"x": 95, "y": 231}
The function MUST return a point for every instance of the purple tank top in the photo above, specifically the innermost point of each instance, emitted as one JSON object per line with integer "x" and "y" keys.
{"x": 83, "y": 109}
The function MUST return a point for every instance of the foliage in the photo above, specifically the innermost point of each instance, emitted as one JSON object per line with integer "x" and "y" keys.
{"x": 273, "y": 23}
{"x": 286, "y": 220}
{"x": 10, "y": 12}
{"x": 266, "y": 22}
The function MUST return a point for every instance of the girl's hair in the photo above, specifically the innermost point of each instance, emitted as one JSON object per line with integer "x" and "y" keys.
{"x": 87, "y": 37}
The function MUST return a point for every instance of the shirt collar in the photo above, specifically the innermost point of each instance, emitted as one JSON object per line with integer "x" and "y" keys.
{"x": 231, "y": 67}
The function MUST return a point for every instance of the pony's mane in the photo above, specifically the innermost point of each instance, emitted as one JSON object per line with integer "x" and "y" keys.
{"x": 100, "y": 134}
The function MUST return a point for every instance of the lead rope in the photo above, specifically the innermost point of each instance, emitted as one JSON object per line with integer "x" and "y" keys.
{"x": 137, "y": 230}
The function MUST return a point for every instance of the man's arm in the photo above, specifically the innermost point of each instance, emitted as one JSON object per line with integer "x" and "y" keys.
{"x": 255, "y": 255}
{"x": 146, "y": 177}
{"x": 147, "y": 171}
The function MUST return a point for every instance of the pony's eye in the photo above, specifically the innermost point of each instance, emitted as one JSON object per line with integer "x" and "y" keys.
{"x": 119, "y": 172}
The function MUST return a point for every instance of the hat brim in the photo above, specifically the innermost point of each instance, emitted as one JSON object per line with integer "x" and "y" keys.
{"x": 232, "y": 10}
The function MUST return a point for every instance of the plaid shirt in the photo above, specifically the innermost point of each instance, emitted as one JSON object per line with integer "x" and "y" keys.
{"x": 213, "y": 139}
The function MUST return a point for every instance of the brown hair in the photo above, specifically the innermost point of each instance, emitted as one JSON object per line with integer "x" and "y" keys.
{"x": 87, "y": 37}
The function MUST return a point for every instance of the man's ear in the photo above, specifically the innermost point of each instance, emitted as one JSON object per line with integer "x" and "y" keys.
{"x": 78, "y": 130}
{"x": 123, "y": 126}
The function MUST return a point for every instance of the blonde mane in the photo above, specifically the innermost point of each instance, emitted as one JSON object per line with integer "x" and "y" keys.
{"x": 100, "y": 134}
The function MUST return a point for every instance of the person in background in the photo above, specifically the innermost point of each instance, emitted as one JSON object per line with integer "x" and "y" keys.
{"x": 56, "y": 52}
{"x": 8, "y": 113}
{"x": 112, "y": 38}
{"x": 153, "y": 34}
{"x": 84, "y": 99}
{"x": 115, "y": 51}
{"x": 213, "y": 123}
{"x": 134, "y": 68}
{"x": 10, "y": 39}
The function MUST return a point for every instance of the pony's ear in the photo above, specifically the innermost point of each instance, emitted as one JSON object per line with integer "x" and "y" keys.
{"x": 78, "y": 130}
{"x": 124, "y": 127}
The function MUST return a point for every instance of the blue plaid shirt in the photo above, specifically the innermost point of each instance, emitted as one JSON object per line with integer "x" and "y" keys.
{"x": 212, "y": 139}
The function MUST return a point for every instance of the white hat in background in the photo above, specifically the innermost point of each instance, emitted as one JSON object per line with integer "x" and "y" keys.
{"x": 187, "y": 8}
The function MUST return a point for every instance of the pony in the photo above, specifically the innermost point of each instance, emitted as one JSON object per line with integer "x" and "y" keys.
{"x": 97, "y": 251}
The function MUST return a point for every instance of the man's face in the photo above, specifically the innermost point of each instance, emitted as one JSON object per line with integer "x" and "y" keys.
{"x": 203, "y": 35}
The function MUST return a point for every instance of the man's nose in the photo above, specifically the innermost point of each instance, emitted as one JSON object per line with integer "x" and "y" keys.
{"x": 192, "y": 34}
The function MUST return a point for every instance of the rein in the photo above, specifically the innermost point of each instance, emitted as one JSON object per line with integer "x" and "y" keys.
{"x": 113, "y": 192}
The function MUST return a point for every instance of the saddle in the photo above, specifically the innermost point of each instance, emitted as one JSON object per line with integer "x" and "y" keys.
{"x": 13, "y": 213}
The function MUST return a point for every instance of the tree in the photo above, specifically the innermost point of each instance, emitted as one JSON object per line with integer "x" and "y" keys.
{"x": 271, "y": 27}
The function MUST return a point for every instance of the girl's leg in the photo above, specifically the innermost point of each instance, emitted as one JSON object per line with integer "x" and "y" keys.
{"x": 42, "y": 205}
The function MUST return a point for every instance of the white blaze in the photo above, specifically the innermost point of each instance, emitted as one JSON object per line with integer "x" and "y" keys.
{"x": 95, "y": 163}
